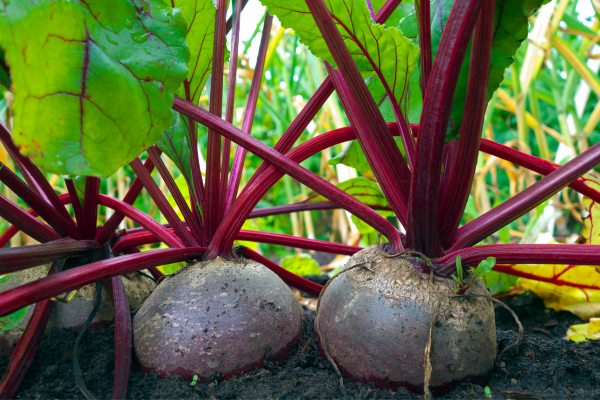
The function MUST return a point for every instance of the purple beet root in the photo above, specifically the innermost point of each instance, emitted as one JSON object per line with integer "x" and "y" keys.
{"x": 217, "y": 319}
{"x": 374, "y": 321}
{"x": 74, "y": 313}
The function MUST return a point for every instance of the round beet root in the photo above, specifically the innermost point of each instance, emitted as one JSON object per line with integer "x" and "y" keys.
{"x": 217, "y": 319}
{"x": 74, "y": 313}
{"x": 374, "y": 321}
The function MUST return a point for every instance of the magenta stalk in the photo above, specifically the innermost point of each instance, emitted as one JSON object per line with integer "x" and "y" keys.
{"x": 297, "y": 242}
{"x": 235, "y": 40}
{"x": 240, "y": 153}
{"x": 90, "y": 207}
{"x": 462, "y": 170}
{"x": 34, "y": 177}
{"x": 123, "y": 336}
{"x": 213, "y": 153}
{"x": 578, "y": 254}
{"x": 535, "y": 164}
{"x": 162, "y": 203}
{"x": 28, "y": 344}
{"x": 14, "y": 259}
{"x": 300, "y": 123}
{"x": 134, "y": 191}
{"x": 386, "y": 11}
{"x": 425, "y": 42}
{"x": 157, "y": 229}
{"x": 77, "y": 210}
{"x": 378, "y": 144}
{"x": 197, "y": 191}
{"x": 318, "y": 99}
{"x": 422, "y": 229}
{"x": 124, "y": 243}
{"x": 288, "y": 277}
{"x": 285, "y": 165}
{"x": 177, "y": 195}
{"x": 56, "y": 284}
{"x": 483, "y": 226}
{"x": 297, "y": 207}
{"x": 29, "y": 196}
{"x": 25, "y": 222}
{"x": 156, "y": 274}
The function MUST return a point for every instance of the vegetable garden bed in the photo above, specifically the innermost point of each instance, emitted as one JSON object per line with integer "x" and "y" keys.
{"x": 544, "y": 365}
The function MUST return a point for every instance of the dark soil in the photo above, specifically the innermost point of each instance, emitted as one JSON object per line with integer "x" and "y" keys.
{"x": 544, "y": 366}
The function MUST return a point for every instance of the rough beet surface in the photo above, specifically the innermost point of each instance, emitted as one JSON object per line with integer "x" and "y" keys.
{"x": 374, "y": 322}
{"x": 215, "y": 319}
{"x": 74, "y": 313}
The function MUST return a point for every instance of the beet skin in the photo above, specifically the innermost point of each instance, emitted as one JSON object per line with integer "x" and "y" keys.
{"x": 217, "y": 319}
{"x": 374, "y": 322}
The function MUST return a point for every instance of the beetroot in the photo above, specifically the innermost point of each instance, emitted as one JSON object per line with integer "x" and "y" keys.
{"x": 374, "y": 320}
{"x": 217, "y": 319}
{"x": 74, "y": 313}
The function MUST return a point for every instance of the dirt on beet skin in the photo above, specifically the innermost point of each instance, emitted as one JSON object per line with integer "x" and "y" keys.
{"x": 543, "y": 366}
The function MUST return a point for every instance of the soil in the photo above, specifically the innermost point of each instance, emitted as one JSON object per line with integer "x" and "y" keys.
{"x": 543, "y": 366}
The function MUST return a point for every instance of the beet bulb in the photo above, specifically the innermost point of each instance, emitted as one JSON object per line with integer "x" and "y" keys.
{"x": 217, "y": 319}
{"x": 374, "y": 320}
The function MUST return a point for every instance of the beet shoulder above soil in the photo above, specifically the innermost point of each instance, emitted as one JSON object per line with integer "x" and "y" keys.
{"x": 544, "y": 366}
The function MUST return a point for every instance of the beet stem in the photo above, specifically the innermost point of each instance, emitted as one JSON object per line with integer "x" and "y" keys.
{"x": 462, "y": 169}
{"x": 28, "y": 344}
{"x": 213, "y": 153}
{"x": 422, "y": 230}
{"x": 123, "y": 336}
{"x": 132, "y": 194}
{"x": 240, "y": 153}
{"x": 161, "y": 202}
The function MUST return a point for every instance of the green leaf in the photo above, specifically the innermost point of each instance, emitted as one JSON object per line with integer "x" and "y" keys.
{"x": 362, "y": 189}
{"x": 175, "y": 143}
{"x": 372, "y": 46}
{"x": 301, "y": 264}
{"x": 459, "y": 269}
{"x": 5, "y": 278}
{"x": 4, "y": 77}
{"x": 12, "y": 320}
{"x": 510, "y": 30}
{"x": 353, "y": 156}
{"x": 484, "y": 267}
{"x": 402, "y": 10}
{"x": 93, "y": 82}
{"x": 498, "y": 282}
{"x": 79, "y": 182}
{"x": 200, "y": 16}
{"x": 175, "y": 140}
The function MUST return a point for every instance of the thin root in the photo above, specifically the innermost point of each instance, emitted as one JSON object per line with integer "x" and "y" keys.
{"x": 427, "y": 358}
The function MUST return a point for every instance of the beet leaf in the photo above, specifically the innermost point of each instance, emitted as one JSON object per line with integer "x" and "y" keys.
{"x": 99, "y": 78}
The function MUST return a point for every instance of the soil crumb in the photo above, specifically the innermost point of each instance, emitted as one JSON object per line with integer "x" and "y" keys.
{"x": 543, "y": 366}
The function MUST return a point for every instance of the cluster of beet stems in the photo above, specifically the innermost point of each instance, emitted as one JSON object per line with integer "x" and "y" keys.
{"x": 428, "y": 204}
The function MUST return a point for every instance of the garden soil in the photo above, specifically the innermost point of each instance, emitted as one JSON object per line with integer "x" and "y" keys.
{"x": 543, "y": 366}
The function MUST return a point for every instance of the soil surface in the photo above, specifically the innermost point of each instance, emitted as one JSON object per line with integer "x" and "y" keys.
{"x": 543, "y": 366}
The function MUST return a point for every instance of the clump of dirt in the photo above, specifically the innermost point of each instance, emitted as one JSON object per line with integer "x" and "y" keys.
{"x": 542, "y": 366}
